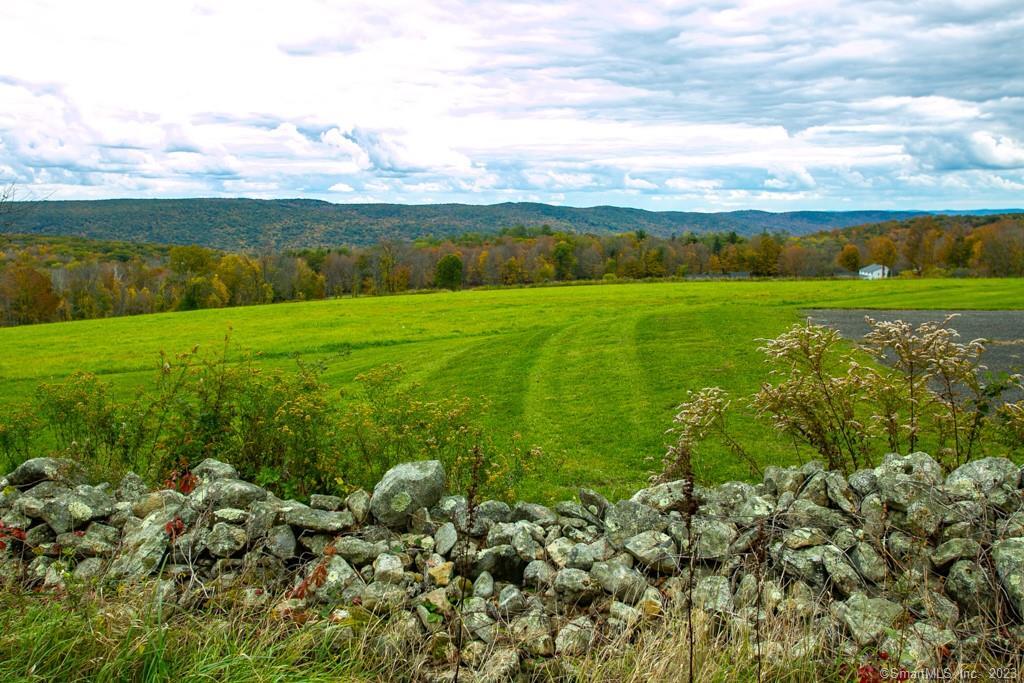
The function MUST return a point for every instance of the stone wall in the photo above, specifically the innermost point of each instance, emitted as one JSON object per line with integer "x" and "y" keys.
{"x": 899, "y": 557}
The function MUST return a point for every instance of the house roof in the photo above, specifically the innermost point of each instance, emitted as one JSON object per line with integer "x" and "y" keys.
{"x": 873, "y": 268}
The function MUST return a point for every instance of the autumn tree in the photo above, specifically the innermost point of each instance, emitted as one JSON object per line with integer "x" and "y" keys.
{"x": 849, "y": 258}
{"x": 27, "y": 296}
{"x": 882, "y": 251}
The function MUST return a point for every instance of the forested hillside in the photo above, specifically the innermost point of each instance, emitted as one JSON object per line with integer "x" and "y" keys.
{"x": 45, "y": 279}
{"x": 238, "y": 224}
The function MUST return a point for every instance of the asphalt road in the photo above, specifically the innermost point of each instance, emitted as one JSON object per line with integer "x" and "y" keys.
{"x": 1002, "y": 330}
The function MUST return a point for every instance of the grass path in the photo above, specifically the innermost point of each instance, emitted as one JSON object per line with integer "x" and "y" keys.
{"x": 591, "y": 374}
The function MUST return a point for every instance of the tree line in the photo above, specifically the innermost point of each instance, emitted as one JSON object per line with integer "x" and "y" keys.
{"x": 45, "y": 279}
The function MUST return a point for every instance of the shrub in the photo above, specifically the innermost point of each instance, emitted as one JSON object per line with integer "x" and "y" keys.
{"x": 927, "y": 389}
{"x": 281, "y": 429}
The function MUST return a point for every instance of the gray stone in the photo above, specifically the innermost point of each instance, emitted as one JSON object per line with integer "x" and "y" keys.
{"x": 869, "y": 562}
{"x": 358, "y": 503}
{"x": 225, "y": 540}
{"x": 969, "y": 585}
{"x": 806, "y": 564}
{"x": 37, "y": 470}
{"x": 320, "y": 521}
{"x": 329, "y": 503}
{"x": 576, "y": 586}
{"x": 143, "y": 548}
{"x": 382, "y": 598}
{"x": 89, "y": 569}
{"x": 331, "y": 579}
{"x": 594, "y": 501}
{"x": 1008, "y": 558}
{"x": 131, "y": 487}
{"x": 406, "y": 488}
{"x": 713, "y": 594}
{"x": 483, "y": 587}
{"x": 840, "y": 573}
{"x": 575, "y": 638}
{"x": 982, "y": 477}
{"x": 231, "y": 516}
{"x": 532, "y": 632}
{"x": 624, "y": 583}
{"x": 511, "y": 601}
{"x": 445, "y": 538}
{"x": 387, "y": 568}
{"x": 501, "y": 561}
{"x": 654, "y": 550}
{"x": 918, "y": 646}
{"x": 627, "y": 518}
{"x": 867, "y": 619}
{"x": 539, "y": 574}
{"x": 212, "y": 470}
{"x": 805, "y": 537}
{"x": 487, "y": 514}
{"x": 226, "y": 493}
{"x": 532, "y": 512}
{"x": 477, "y": 621}
{"x": 864, "y": 482}
{"x": 150, "y": 502}
{"x": 804, "y": 513}
{"x": 357, "y": 551}
{"x": 712, "y": 537}
{"x": 98, "y": 540}
{"x": 779, "y": 480}
{"x": 953, "y": 550}
{"x": 280, "y": 542}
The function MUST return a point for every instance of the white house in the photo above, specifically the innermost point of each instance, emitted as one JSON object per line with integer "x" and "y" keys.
{"x": 874, "y": 272}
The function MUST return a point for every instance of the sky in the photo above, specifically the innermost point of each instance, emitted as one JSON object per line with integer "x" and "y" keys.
{"x": 775, "y": 105}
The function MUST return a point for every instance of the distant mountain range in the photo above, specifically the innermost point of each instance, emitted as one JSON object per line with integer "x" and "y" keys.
{"x": 296, "y": 223}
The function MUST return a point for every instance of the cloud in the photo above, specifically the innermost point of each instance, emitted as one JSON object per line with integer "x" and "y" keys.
{"x": 723, "y": 103}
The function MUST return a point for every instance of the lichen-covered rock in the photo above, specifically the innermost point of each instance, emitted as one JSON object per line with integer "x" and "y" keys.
{"x": 500, "y": 561}
{"x": 539, "y": 574}
{"x": 212, "y": 470}
{"x": 445, "y": 538}
{"x": 713, "y": 594}
{"x": 224, "y": 540}
{"x": 533, "y": 512}
{"x": 969, "y": 585}
{"x": 953, "y": 550}
{"x": 37, "y": 470}
{"x": 226, "y": 493}
{"x": 357, "y": 551}
{"x": 622, "y": 582}
{"x": 869, "y": 562}
{"x": 576, "y": 586}
{"x": 982, "y": 477}
{"x": 576, "y": 637}
{"x": 654, "y": 550}
{"x": 317, "y": 521}
{"x": 388, "y": 568}
{"x": 867, "y": 619}
{"x": 627, "y": 518}
{"x": 143, "y": 548}
{"x": 406, "y": 488}
{"x": 1008, "y": 558}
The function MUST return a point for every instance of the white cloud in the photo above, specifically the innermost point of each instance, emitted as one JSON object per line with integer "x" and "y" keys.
{"x": 670, "y": 104}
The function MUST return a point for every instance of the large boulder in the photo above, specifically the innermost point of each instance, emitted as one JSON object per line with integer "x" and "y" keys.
{"x": 406, "y": 488}
{"x": 38, "y": 470}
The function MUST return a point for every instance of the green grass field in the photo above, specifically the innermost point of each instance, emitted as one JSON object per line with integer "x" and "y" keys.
{"x": 591, "y": 373}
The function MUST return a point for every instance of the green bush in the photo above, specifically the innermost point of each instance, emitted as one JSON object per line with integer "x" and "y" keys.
{"x": 281, "y": 429}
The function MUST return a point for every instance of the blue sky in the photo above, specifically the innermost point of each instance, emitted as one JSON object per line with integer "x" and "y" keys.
{"x": 660, "y": 105}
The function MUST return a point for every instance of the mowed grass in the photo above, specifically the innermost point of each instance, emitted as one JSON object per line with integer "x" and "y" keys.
{"x": 591, "y": 374}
